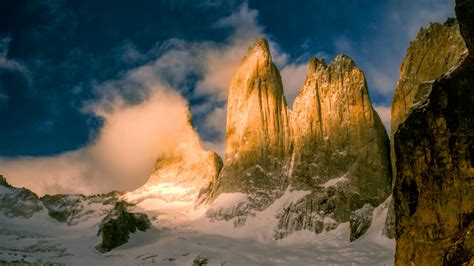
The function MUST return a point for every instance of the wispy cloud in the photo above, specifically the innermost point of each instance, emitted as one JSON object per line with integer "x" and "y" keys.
{"x": 122, "y": 155}
{"x": 384, "y": 114}
{"x": 11, "y": 64}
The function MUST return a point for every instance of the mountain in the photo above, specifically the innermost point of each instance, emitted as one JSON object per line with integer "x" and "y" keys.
{"x": 21, "y": 206}
{"x": 312, "y": 179}
{"x": 434, "y": 51}
{"x": 257, "y": 134}
{"x": 341, "y": 148}
{"x": 332, "y": 146}
{"x": 433, "y": 196}
{"x": 182, "y": 174}
{"x": 18, "y": 202}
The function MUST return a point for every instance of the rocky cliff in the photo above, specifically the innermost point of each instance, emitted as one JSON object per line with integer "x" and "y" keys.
{"x": 433, "y": 193}
{"x": 257, "y": 133}
{"x": 434, "y": 51}
{"x": 18, "y": 202}
{"x": 341, "y": 148}
{"x": 332, "y": 145}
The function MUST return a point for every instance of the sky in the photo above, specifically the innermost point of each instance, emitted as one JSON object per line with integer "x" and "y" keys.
{"x": 91, "y": 92}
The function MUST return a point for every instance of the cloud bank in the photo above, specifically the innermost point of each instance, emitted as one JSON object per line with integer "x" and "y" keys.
{"x": 145, "y": 115}
{"x": 144, "y": 111}
{"x": 122, "y": 155}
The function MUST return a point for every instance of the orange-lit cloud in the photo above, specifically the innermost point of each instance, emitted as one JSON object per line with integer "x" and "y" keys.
{"x": 384, "y": 114}
{"x": 133, "y": 135}
{"x": 121, "y": 157}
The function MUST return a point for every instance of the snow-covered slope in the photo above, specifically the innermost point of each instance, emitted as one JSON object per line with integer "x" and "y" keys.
{"x": 183, "y": 235}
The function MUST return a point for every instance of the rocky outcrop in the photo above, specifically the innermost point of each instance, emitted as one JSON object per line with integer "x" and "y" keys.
{"x": 257, "y": 133}
{"x": 18, "y": 202}
{"x": 465, "y": 14}
{"x": 433, "y": 193}
{"x": 200, "y": 261}
{"x": 332, "y": 144}
{"x": 434, "y": 51}
{"x": 73, "y": 209}
{"x": 340, "y": 148}
{"x": 360, "y": 221}
{"x": 116, "y": 227}
{"x": 336, "y": 131}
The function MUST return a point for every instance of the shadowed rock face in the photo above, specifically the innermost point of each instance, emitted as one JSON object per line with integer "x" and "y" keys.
{"x": 433, "y": 193}
{"x": 465, "y": 14}
{"x": 434, "y": 51}
{"x": 116, "y": 227}
{"x": 18, "y": 202}
{"x": 74, "y": 209}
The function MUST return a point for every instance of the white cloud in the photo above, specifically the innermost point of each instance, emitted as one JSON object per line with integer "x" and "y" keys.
{"x": 10, "y": 64}
{"x": 121, "y": 157}
{"x": 145, "y": 115}
{"x": 384, "y": 114}
{"x": 293, "y": 78}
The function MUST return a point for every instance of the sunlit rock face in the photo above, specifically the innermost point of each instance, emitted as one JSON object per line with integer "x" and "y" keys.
{"x": 182, "y": 174}
{"x": 336, "y": 132}
{"x": 434, "y": 51}
{"x": 433, "y": 193}
{"x": 340, "y": 148}
{"x": 332, "y": 145}
{"x": 257, "y": 134}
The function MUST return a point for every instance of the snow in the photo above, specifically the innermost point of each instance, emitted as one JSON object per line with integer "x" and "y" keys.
{"x": 5, "y": 190}
{"x": 333, "y": 182}
{"x": 182, "y": 232}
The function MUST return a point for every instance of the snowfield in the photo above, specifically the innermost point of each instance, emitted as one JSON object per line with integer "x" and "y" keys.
{"x": 183, "y": 235}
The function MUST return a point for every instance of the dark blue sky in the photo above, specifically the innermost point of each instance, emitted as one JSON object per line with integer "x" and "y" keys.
{"x": 53, "y": 54}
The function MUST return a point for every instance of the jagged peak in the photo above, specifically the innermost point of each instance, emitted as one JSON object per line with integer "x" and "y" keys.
{"x": 259, "y": 48}
{"x": 343, "y": 59}
{"x": 3, "y": 182}
{"x": 435, "y": 28}
{"x": 260, "y": 44}
{"x": 340, "y": 60}
{"x": 315, "y": 63}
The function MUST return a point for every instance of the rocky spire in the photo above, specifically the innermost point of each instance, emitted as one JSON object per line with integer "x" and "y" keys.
{"x": 335, "y": 128}
{"x": 256, "y": 107}
{"x": 340, "y": 149}
{"x": 257, "y": 133}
